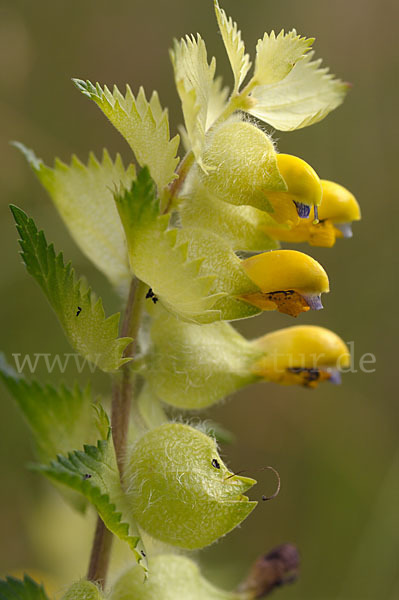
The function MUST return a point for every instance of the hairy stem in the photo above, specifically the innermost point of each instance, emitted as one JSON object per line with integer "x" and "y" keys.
{"x": 182, "y": 171}
{"x": 120, "y": 413}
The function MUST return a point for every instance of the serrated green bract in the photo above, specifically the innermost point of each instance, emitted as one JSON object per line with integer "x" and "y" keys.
{"x": 305, "y": 96}
{"x": 94, "y": 473}
{"x": 61, "y": 419}
{"x": 171, "y": 577}
{"x": 144, "y": 125}
{"x": 192, "y": 366}
{"x": 244, "y": 227}
{"x": 83, "y": 590}
{"x": 277, "y": 55}
{"x": 235, "y": 48}
{"x": 83, "y": 196}
{"x": 83, "y": 320}
{"x": 179, "y": 489}
{"x": 195, "y": 84}
{"x": 12, "y": 588}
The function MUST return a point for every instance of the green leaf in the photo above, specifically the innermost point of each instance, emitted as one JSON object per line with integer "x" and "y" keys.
{"x": 195, "y": 84}
{"x": 60, "y": 418}
{"x": 277, "y": 55}
{"x": 303, "y": 98}
{"x": 235, "y": 48}
{"x": 243, "y": 227}
{"x": 83, "y": 196}
{"x": 17, "y": 589}
{"x": 157, "y": 255}
{"x": 143, "y": 124}
{"x": 83, "y": 320}
{"x": 94, "y": 473}
{"x": 171, "y": 577}
{"x": 194, "y": 366}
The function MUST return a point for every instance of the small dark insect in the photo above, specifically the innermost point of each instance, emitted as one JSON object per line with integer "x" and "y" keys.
{"x": 215, "y": 463}
{"x": 150, "y": 294}
{"x": 87, "y": 476}
{"x": 143, "y": 554}
{"x": 78, "y": 311}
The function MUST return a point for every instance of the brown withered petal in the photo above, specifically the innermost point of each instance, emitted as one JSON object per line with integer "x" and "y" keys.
{"x": 272, "y": 570}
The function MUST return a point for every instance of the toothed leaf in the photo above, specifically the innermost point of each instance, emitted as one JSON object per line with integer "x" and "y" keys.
{"x": 303, "y": 98}
{"x": 143, "y": 124}
{"x": 60, "y": 418}
{"x": 195, "y": 84}
{"x": 94, "y": 473}
{"x": 83, "y": 196}
{"x": 235, "y": 48}
{"x": 83, "y": 320}
{"x": 277, "y": 55}
{"x": 12, "y": 588}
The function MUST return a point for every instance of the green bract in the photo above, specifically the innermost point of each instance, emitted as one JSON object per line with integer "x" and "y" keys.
{"x": 171, "y": 577}
{"x": 83, "y": 196}
{"x": 143, "y": 124}
{"x": 179, "y": 489}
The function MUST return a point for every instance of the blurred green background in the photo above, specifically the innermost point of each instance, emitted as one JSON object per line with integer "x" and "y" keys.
{"x": 336, "y": 448}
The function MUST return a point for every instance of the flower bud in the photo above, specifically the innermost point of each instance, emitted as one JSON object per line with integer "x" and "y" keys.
{"x": 241, "y": 165}
{"x": 179, "y": 489}
{"x": 303, "y": 354}
{"x": 84, "y": 590}
{"x": 290, "y": 281}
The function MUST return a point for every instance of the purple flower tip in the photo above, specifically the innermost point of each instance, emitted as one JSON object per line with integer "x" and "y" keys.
{"x": 335, "y": 377}
{"x": 313, "y": 301}
{"x": 303, "y": 210}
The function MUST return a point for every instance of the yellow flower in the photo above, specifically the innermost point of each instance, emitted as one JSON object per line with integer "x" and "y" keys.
{"x": 304, "y": 355}
{"x": 290, "y": 281}
{"x": 304, "y": 190}
{"x": 337, "y": 211}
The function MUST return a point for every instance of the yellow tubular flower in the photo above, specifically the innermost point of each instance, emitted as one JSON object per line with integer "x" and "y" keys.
{"x": 304, "y": 190}
{"x": 337, "y": 211}
{"x": 290, "y": 281}
{"x": 304, "y": 355}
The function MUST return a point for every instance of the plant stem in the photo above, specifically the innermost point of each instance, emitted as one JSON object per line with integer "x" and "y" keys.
{"x": 120, "y": 412}
{"x": 182, "y": 171}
